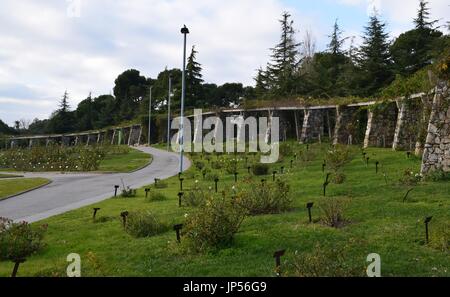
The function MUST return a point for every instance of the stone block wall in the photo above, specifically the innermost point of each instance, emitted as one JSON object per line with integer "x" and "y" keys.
{"x": 313, "y": 125}
{"x": 346, "y": 125}
{"x": 436, "y": 153}
{"x": 408, "y": 124}
{"x": 381, "y": 125}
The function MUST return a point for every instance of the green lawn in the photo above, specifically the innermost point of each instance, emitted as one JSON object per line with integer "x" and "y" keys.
{"x": 133, "y": 160}
{"x": 10, "y": 187}
{"x": 379, "y": 223}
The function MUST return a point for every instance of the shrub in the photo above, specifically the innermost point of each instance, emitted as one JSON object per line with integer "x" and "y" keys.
{"x": 333, "y": 211}
{"x": 196, "y": 196}
{"x": 437, "y": 175}
{"x": 338, "y": 178}
{"x": 199, "y": 165}
{"x": 144, "y": 224}
{"x": 156, "y": 196}
{"x": 325, "y": 262}
{"x": 19, "y": 241}
{"x": 217, "y": 164}
{"x": 214, "y": 224}
{"x": 212, "y": 176}
{"x": 161, "y": 184}
{"x": 267, "y": 199}
{"x": 231, "y": 166}
{"x": 286, "y": 149}
{"x": 337, "y": 157}
{"x": 128, "y": 192}
{"x": 260, "y": 169}
{"x": 409, "y": 178}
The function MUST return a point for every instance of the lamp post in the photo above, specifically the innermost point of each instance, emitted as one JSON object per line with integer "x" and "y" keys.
{"x": 168, "y": 112}
{"x": 149, "y": 113}
{"x": 184, "y": 31}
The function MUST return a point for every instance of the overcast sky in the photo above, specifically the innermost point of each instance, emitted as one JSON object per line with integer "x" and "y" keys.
{"x": 49, "y": 46}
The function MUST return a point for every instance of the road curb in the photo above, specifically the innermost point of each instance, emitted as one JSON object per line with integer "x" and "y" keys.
{"x": 26, "y": 191}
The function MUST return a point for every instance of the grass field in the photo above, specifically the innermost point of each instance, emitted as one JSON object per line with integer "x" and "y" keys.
{"x": 133, "y": 160}
{"x": 10, "y": 187}
{"x": 9, "y": 175}
{"x": 379, "y": 222}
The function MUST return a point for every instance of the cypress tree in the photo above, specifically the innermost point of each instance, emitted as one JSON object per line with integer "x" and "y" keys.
{"x": 285, "y": 59}
{"x": 374, "y": 57}
{"x": 193, "y": 80}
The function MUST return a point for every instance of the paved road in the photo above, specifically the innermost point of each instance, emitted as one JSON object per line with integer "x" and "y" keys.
{"x": 74, "y": 190}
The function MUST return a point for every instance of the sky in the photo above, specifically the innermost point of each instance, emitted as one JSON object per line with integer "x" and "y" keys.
{"x": 50, "y": 46}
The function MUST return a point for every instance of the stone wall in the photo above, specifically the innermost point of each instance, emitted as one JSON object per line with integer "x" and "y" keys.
{"x": 436, "y": 153}
{"x": 313, "y": 125}
{"x": 408, "y": 124}
{"x": 381, "y": 125}
{"x": 346, "y": 125}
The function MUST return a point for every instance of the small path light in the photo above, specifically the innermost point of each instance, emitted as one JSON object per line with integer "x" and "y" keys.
{"x": 204, "y": 174}
{"x": 146, "y": 192}
{"x": 307, "y": 147}
{"x": 177, "y": 229}
{"x": 263, "y": 181}
{"x": 156, "y": 181}
{"x": 323, "y": 166}
{"x": 115, "y": 190}
{"x": 95, "y": 212}
{"x": 235, "y": 177}
{"x": 295, "y": 156}
{"x": 282, "y": 169}
{"x": 427, "y": 221}
{"x": 292, "y": 161}
{"x": 248, "y": 169}
{"x": 309, "y": 205}
{"x": 367, "y": 161}
{"x": 181, "y": 184}
{"x": 124, "y": 215}
{"x": 180, "y": 197}
{"x": 325, "y": 184}
{"x": 277, "y": 255}
{"x": 216, "y": 180}
{"x": 274, "y": 173}
{"x": 376, "y": 166}
{"x": 408, "y": 155}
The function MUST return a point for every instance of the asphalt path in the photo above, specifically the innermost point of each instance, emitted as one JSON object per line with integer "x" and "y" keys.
{"x": 69, "y": 191}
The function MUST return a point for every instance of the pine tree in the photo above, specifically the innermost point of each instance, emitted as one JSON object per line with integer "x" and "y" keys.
{"x": 374, "y": 57}
{"x": 262, "y": 86}
{"x": 423, "y": 15}
{"x": 64, "y": 104}
{"x": 285, "y": 59}
{"x": 193, "y": 80}
{"x": 336, "y": 42}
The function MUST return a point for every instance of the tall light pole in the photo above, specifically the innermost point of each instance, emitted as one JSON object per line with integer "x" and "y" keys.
{"x": 149, "y": 112}
{"x": 184, "y": 31}
{"x": 168, "y": 112}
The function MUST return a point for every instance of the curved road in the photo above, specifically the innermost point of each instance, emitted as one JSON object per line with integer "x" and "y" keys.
{"x": 74, "y": 190}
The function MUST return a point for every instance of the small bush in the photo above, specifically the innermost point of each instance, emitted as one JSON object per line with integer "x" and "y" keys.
{"x": 217, "y": 164}
{"x": 18, "y": 241}
{"x": 156, "y": 196}
{"x": 267, "y": 199}
{"x": 286, "y": 149}
{"x": 231, "y": 166}
{"x": 437, "y": 176}
{"x": 214, "y": 224}
{"x": 333, "y": 211}
{"x": 260, "y": 169}
{"x": 199, "y": 165}
{"x": 410, "y": 178}
{"x": 128, "y": 192}
{"x": 144, "y": 224}
{"x": 325, "y": 262}
{"x": 161, "y": 184}
{"x": 212, "y": 176}
{"x": 196, "y": 196}
{"x": 338, "y": 178}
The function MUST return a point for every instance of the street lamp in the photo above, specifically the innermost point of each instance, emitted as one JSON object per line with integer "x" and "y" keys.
{"x": 149, "y": 113}
{"x": 168, "y": 112}
{"x": 184, "y": 31}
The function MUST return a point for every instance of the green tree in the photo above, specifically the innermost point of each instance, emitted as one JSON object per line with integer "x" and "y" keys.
{"x": 285, "y": 59}
{"x": 262, "y": 83}
{"x": 374, "y": 58}
{"x": 130, "y": 87}
{"x": 193, "y": 81}
{"x": 415, "y": 48}
{"x": 62, "y": 120}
